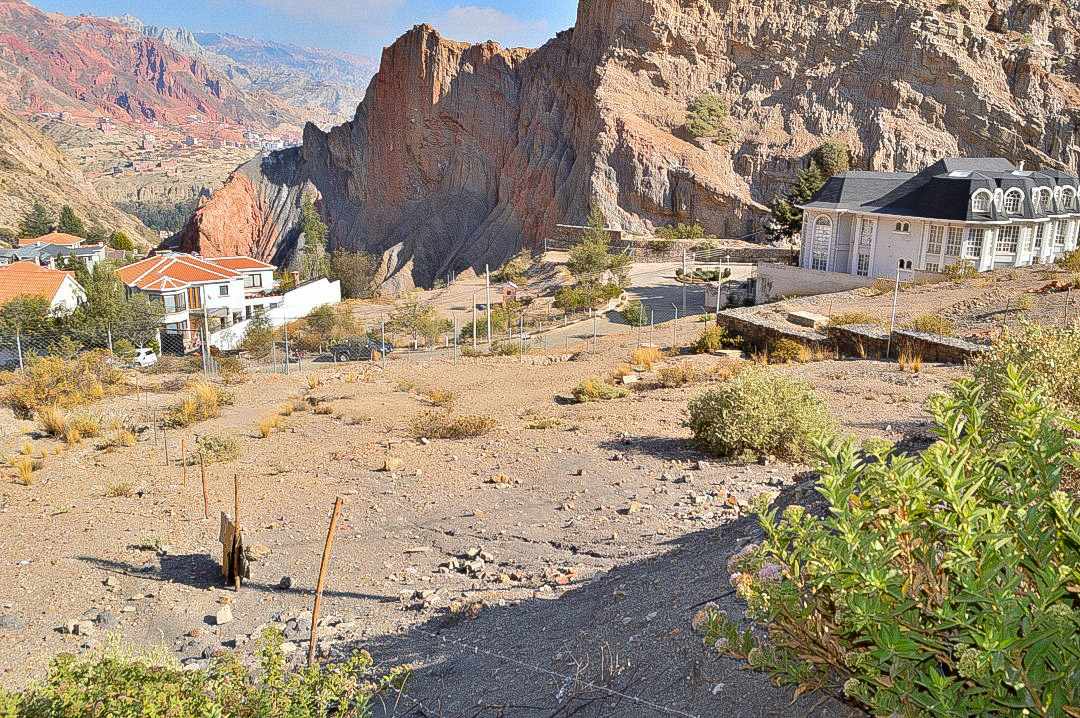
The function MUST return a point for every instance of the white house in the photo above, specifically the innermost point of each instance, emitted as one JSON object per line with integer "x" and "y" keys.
{"x": 983, "y": 211}
{"x": 24, "y": 278}
{"x": 213, "y": 298}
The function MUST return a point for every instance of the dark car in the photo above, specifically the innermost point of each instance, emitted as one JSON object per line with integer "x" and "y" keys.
{"x": 359, "y": 349}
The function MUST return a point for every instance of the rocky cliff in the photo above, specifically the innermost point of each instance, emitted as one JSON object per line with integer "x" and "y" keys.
{"x": 460, "y": 154}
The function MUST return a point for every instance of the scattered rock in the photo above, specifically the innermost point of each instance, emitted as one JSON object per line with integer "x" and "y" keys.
{"x": 11, "y": 622}
{"x": 106, "y": 620}
{"x": 285, "y": 583}
{"x": 256, "y": 552}
{"x": 392, "y": 463}
{"x": 223, "y": 616}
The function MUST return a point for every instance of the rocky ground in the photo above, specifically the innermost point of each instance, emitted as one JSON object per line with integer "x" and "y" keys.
{"x": 550, "y": 567}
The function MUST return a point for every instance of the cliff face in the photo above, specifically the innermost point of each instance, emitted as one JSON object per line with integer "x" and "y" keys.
{"x": 460, "y": 154}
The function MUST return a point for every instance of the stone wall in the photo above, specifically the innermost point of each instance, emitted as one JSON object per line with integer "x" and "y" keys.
{"x": 760, "y": 332}
{"x": 936, "y": 348}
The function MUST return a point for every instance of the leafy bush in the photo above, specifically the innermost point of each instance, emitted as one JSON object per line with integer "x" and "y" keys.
{"x": 833, "y": 157}
{"x": 681, "y": 231}
{"x": 585, "y": 296}
{"x": 706, "y": 116}
{"x": 112, "y": 683}
{"x": 216, "y": 448}
{"x": 438, "y": 425}
{"x": 759, "y": 413}
{"x": 510, "y": 348}
{"x": 712, "y": 339}
{"x": 1070, "y": 261}
{"x": 785, "y": 351}
{"x": 960, "y": 271}
{"x": 52, "y": 381}
{"x": 932, "y": 324}
{"x": 646, "y": 357}
{"x": 596, "y": 389}
{"x": 635, "y": 314}
{"x": 1046, "y": 355}
{"x": 939, "y": 584}
{"x": 843, "y": 319}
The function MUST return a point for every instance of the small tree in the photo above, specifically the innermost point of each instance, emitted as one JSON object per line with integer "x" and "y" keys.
{"x": 419, "y": 319}
{"x": 314, "y": 261}
{"x": 322, "y": 321}
{"x": 358, "y": 273}
{"x": 786, "y": 216}
{"x": 706, "y": 116}
{"x": 37, "y": 220}
{"x": 70, "y": 223}
{"x": 119, "y": 240}
{"x": 259, "y": 338}
{"x": 833, "y": 157}
{"x": 635, "y": 314}
{"x": 28, "y": 314}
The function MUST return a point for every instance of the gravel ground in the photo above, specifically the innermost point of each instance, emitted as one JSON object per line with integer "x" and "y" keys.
{"x": 598, "y": 535}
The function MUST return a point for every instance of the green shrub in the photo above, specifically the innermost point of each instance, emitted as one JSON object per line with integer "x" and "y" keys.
{"x": 635, "y": 314}
{"x": 1046, "y": 355}
{"x": 115, "y": 684}
{"x": 759, "y": 413}
{"x": 712, "y": 339}
{"x": 595, "y": 389}
{"x": 785, "y": 351}
{"x": 706, "y": 116}
{"x": 959, "y": 271}
{"x": 1070, "y": 261}
{"x": 942, "y": 584}
{"x": 585, "y": 296}
{"x": 681, "y": 231}
{"x": 216, "y": 448}
{"x": 833, "y": 157}
{"x": 932, "y": 324}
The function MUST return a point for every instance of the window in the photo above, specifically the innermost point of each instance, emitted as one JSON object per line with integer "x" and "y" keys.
{"x": 933, "y": 243}
{"x": 1014, "y": 198}
{"x": 903, "y": 264}
{"x": 223, "y": 290}
{"x": 1040, "y": 230}
{"x": 1059, "y": 235}
{"x": 1007, "y": 239}
{"x": 932, "y": 267}
{"x": 902, "y": 228}
{"x": 1068, "y": 198}
{"x": 866, "y": 241}
{"x": 252, "y": 281}
{"x": 1043, "y": 200}
{"x": 174, "y": 303}
{"x": 980, "y": 202}
{"x": 974, "y": 244}
{"x": 819, "y": 255}
{"x": 955, "y": 243}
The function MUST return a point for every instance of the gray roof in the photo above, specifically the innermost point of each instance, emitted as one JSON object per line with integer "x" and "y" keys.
{"x": 941, "y": 191}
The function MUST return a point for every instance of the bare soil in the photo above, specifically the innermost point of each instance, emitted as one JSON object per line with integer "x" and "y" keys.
{"x": 600, "y": 534}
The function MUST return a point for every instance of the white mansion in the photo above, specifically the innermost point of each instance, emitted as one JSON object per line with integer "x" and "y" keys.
{"x": 986, "y": 212}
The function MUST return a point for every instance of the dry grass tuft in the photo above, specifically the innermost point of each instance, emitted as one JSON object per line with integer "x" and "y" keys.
{"x": 27, "y": 448}
{"x": 543, "y": 422}
{"x": 680, "y": 374}
{"x": 203, "y": 401}
{"x": 438, "y": 425}
{"x": 405, "y": 385}
{"x": 910, "y": 360}
{"x": 323, "y": 409}
{"x": 784, "y": 351}
{"x": 53, "y": 421}
{"x": 932, "y": 324}
{"x": 842, "y": 319}
{"x": 286, "y": 409}
{"x": 88, "y": 426}
{"x": 443, "y": 398}
{"x": 267, "y": 424}
{"x": 622, "y": 370}
{"x": 120, "y": 490}
{"x": 646, "y": 357}
{"x": 24, "y": 470}
{"x": 313, "y": 381}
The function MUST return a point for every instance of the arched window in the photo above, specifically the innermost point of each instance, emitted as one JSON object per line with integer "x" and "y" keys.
{"x": 1014, "y": 200}
{"x": 980, "y": 202}
{"x": 819, "y": 254}
{"x": 1043, "y": 200}
{"x": 1068, "y": 198}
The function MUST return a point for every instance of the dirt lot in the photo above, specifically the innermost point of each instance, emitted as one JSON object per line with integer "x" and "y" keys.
{"x": 979, "y": 307}
{"x": 611, "y": 530}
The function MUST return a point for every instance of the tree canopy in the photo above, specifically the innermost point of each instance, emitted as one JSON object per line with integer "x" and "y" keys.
{"x": 70, "y": 223}
{"x": 37, "y": 221}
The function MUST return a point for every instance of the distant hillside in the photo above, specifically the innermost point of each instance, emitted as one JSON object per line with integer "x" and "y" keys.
{"x": 100, "y": 67}
{"x": 33, "y": 169}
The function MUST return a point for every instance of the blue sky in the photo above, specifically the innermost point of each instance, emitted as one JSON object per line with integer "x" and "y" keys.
{"x": 361, "y": 26}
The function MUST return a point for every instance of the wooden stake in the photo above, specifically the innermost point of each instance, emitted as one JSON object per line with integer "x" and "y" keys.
{"x": 322, "y": 579}
{"x": 236, "y": 518}
{"x": 205, "y": 492}
{"x": 183, "y": 464}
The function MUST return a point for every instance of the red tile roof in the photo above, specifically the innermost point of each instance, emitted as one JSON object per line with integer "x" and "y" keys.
{"x": 240, "y": 264}
{"x": 30, "y": 278}
{"x": 173, "y": 271}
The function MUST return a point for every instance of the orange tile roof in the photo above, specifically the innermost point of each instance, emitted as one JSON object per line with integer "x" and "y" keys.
{"x": 240, "y": 263}
{"x": 67, "y": 240}
{"x": 173, "y": 271}
{"x": 30, "y": 278}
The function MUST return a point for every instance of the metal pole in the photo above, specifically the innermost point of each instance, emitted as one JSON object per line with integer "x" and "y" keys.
{"x": 475, "y": 326}
{"x": 18, "y": 346}
{"x": 285, "y": 328}
{"x": 108, "y": 332}
{"x": 487, "y": 302}
{"x": 521, "y": 333}
{"x": 675, "y": 328}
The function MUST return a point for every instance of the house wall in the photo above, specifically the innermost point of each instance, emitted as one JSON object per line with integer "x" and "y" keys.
{"x": 293, "y": 305}
{"x": 233, "y": 301}
{"x": 67, "y": 297}
{"x": 891, "y": 246}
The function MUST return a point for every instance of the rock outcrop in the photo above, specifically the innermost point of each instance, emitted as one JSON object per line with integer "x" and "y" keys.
{"x": 461, "y": 154}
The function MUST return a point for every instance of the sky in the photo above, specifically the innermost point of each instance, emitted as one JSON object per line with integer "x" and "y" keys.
{"x": 360, "y": 26}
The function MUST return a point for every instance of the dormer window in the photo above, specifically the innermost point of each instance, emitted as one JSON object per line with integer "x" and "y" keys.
{"x": 1068, "y": 198}
{"x": 980, "y": 202}
{"x": 1043, "y": 200}
{"x": 1014, "y": 200}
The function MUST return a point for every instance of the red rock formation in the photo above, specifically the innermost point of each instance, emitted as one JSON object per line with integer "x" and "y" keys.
{"x": 461, "y": 154}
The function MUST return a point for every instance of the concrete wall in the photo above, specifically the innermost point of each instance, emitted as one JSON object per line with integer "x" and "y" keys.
{"x": 776, "y": 281}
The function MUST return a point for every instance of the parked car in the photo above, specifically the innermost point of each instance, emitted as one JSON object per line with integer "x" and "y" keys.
{"x": 359, "y": 349}
{"x": 144, "y": 357}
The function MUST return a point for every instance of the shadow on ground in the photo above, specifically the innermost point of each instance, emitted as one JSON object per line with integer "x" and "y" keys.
{"x": 617, "y": 645}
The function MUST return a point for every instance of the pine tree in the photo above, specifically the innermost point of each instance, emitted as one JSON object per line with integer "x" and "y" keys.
{"x": 786, "y": 216}
{"x": 315, "y": 261}
{"x": 37, "y": 221}
{"x": 70, "y": 223}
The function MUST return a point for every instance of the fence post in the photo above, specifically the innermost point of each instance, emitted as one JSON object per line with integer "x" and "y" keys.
{"x": 108, "y": 332}
{"x": 18, "y": 346}
{"x": 323, "y": 565}
{"x": 285, "y": 330}
{"x": 675, "y": 329}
